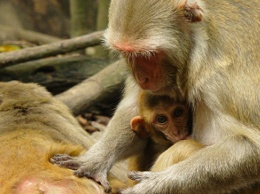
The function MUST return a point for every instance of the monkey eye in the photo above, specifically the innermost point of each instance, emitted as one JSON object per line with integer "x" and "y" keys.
{"x": 161, "y": 119}
{"x": 177, "y": 112}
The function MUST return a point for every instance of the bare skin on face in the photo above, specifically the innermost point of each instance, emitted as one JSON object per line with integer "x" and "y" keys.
{"x": 162, "y": 118}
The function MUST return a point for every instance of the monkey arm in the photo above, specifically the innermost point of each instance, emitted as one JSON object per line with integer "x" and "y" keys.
{"x": 118, "y": 142}
{"x": 229, "y": 164}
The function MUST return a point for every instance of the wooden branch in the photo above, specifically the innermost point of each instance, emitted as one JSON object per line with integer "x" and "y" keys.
{"x": 29, "y": 35}
{"x": 57, "y": 74}
{"x": 52, "y": 49}
{"x": 104, "y": 83}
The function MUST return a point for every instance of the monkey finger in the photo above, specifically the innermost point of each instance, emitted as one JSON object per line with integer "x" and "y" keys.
{"x": 60, "y": 157}
{"x": 137, "y": 189}
{"x": 138, "y": 176}
{"x": 83, "y": 172}
{"x": 67, "y": 164}
{"x": 149, "y": 182}
{"x": 102, "y": 180}
{"x": 105, "y": 185}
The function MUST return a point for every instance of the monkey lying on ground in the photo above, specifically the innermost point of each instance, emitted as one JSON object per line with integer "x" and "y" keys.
{"x": 206, "y": 51}
{"x": 33, "y": 127}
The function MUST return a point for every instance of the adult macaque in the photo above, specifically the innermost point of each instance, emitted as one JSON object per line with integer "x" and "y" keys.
{"x": 207, "y": 52}
{"x": 33, "y": 127}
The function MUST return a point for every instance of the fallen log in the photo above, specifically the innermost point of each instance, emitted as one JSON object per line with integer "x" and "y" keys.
{"x": 57, "y": 74}
{"x": 101, "y": 85}
{"x": 52, "y": 49}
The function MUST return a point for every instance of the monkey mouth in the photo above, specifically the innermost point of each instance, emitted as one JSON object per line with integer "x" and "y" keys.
{"x": 146, "y": 69}
{"x": 177, "y": 137}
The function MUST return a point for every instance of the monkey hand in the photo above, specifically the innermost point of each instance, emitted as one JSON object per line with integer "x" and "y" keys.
{"x": 149, "y": 183}
{"x": 83, "y": 167}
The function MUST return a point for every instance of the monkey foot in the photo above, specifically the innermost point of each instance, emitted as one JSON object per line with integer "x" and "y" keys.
{"x": 100, "y": 179}
{"x": 82, "y": 169}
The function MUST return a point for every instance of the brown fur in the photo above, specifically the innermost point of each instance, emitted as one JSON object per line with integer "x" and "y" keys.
{"x": 150, "y": 106}
{"x": 34, "y": 126}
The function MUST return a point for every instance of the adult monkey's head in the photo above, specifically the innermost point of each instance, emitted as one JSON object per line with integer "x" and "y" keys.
{"x": 155, "y": 38}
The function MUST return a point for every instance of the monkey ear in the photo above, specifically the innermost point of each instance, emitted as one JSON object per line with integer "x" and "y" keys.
{"x": 137, "y": 126}
{"x": 191, "y": 9}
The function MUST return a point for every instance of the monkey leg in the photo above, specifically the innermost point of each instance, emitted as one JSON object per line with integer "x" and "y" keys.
{"x": 184, "y": 149}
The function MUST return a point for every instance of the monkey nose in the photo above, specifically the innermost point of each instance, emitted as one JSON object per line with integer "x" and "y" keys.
{"x": 142, "y": 80}
{"x": 144, "y": 84}
{"x": 141, "y": 76}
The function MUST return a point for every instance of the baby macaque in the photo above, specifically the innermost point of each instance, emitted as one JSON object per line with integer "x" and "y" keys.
{"x": 33, "y": 127}
{"x": 162, "y": 121}
{"x": 162, "y": 118}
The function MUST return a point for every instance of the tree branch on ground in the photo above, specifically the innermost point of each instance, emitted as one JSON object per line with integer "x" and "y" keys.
{"x": 57, "y": 74}
{"x": 100, "y": 85}
{"x": 52, "y": 49}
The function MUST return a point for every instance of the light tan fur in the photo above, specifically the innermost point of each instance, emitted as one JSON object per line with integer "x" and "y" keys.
{"x": 203, "y": 51}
